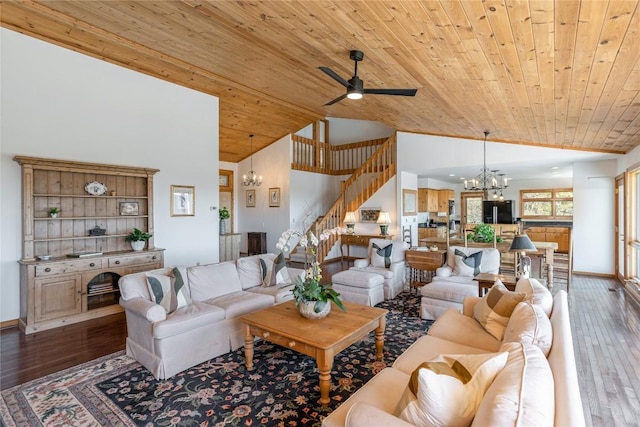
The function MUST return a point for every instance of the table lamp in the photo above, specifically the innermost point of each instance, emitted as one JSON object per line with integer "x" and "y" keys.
{"x": 383, "y": 221}
{"x": 521, "y": 245}
{"x": 350, "y": 222}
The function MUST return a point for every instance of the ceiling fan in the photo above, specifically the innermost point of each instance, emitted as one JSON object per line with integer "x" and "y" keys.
{"x": 355, "y": 86}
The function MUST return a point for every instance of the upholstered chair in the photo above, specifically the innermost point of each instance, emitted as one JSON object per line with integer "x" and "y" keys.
{"x": 385, "y": 257}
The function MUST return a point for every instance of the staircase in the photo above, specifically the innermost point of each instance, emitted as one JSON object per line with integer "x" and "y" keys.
{"x": 357, "y": 189}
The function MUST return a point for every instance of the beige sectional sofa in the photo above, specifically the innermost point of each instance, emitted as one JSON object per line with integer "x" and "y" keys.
{"x": 531, "y": 389}
{"x": 208, "y": 327}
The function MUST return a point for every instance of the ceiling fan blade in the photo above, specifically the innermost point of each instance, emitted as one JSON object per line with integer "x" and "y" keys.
{"x": 335, "y": 76}
{"x": 338, "y": 99}
{"x": 401, "y": 92}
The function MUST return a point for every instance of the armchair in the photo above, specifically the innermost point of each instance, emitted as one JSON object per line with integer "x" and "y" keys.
{"x": 386, "y": 258}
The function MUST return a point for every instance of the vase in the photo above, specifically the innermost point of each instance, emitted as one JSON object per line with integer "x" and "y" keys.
{"x": 138, "y": 245}
{"x": 306, "y": 309}
{"x": 223, "y": 226}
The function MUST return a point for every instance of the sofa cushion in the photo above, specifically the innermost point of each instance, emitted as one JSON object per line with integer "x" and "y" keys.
{"x": 537, "y": 293}
{"x": 529, "y": 324}
{"x": 522, "y": 394}
{"x": 490, "y": 258}
{"x": 381, "y": 254}
{"x": 249, "y": 269}
{"x": 135, "y": 285}
{"x": 187, "y": 319}
{"x": 274, "y": 272}
{"x": 213, "y": 280}
{"x": 448, "y": 389}
{"x": 266, "y": 272}
{"x": 242, "y": 302}
{"x": 456, "y": 327}
{"x": 279, "y": 293}
{"x": 495, "y": 308}
{"x": 467, "y": 265}
{"x": 181, "y": 286}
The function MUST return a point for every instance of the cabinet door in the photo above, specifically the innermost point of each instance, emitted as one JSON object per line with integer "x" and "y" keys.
{"x": 432, "y": 200}
{"x": 57, "y": 297}
{"x": 537, "y": 234}
{"x": 423, "y": 195}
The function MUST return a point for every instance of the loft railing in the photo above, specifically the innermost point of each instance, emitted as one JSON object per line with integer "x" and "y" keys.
{"x": 315, "y": 156}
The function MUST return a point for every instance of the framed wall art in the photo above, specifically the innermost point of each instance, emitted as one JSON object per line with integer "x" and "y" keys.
{"x": 274, "y": 197}
{"x": 409, "y": 202}
{"x": 183, "y": 200}
{"x": 369, "y": 214}
{"x": 251, "y": 198}
{"x": 129, "y": 208}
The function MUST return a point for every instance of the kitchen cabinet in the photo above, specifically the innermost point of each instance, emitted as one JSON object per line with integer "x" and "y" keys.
{"x": 423, "y": 195}
{"x": 443, "y": 200}
{"x": 425, "y": 232}
{"x": 559, "y": 235}
{"x": 432, "y": 200}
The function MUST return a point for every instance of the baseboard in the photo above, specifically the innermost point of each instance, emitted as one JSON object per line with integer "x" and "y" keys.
{"x": 587, "y": 273}
{"x": 9, "y": 324}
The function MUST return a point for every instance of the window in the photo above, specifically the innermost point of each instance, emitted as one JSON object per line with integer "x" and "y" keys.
{"x": 472, "y": 208}
{"x": 547, "y": 203}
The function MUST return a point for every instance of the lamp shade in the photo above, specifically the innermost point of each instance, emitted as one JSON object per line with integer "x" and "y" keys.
{"x": 383, "y": 218}
{"x": 522, "y": 243}
{"x": 350, "y": 218}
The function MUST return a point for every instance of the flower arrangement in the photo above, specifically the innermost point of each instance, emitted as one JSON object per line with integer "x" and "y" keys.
{"x": 224, "y": 213}
{"x": 309, "y": 287}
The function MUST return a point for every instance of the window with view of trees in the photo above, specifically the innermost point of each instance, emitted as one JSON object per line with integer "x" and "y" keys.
{"x": 547, "y": 203}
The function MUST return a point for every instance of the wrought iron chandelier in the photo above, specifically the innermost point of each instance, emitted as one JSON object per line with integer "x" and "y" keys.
{"x": 488, "y": 179}
{"x": 252, "y": 178}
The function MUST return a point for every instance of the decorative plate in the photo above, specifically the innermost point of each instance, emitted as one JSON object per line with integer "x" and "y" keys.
{"x": 96, "y": 188}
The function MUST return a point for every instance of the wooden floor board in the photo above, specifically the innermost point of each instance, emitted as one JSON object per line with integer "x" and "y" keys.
{"x": 605, "y": 326}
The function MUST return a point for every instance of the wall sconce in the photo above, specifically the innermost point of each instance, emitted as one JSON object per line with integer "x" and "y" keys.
{"x": 383, "y": 221}
{"x": 350, "y": 222}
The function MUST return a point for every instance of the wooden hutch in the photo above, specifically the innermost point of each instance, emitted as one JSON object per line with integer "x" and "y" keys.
{"x": 99, "y": 206}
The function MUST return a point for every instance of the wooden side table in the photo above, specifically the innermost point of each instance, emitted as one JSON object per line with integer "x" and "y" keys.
{"x": 486, "y": 281}
{"x": 422, "y": 264}
{"x": 358, "y": 240}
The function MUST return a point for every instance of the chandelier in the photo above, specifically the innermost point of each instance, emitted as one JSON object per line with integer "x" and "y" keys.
{"x": 488, "y": 180}
{"x": 252, "y": 178}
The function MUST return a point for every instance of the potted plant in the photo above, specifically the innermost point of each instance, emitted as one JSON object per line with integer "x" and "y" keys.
{"x": 312, "y": 297}
{"x": 483, "y": 233}
{"x": 138, "y": 239}
{"x": 53, "y": 212}
{"x": 224, "y": 215}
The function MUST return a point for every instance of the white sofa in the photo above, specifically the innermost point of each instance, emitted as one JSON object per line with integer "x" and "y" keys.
{"x": 394, "y": 275}
{"x": 169, "y": 343}
{"x": 448, "y": 290}
{"x": 525, "y": 392}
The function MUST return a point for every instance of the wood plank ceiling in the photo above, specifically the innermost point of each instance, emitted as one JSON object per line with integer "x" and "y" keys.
{"x": 552, "y": 73}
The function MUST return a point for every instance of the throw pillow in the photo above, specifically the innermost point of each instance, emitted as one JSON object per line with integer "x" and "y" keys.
{"x": 530, "y": 325}
{"x": 266, "y": 270}
{"x": 381, "y": 256}
{"x": 467, "y": 265}
{"x": 447, "y": 390}
{"x": 537, "y": 293}
{"x": 180, "y": 287}
{"x": 495, "y": 308}
{"x": 280, "y": 273}
{"x": 161, "y": 294}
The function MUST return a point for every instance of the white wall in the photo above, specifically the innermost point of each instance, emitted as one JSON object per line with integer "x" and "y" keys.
{"x": 593, "y": 219}
{"x": 345, "y": 131}
{"x": 60, "y": 104}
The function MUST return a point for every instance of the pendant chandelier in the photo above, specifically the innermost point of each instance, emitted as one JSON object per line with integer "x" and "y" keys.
{"x": 488, "y": 180}
{"x": 252, "y": 178}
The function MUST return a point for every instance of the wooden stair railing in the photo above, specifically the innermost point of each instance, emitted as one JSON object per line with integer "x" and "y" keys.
{"x": 359, "y": 187}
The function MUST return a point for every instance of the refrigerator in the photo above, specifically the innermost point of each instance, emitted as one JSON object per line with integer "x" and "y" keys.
{"x": 496, "y": 212}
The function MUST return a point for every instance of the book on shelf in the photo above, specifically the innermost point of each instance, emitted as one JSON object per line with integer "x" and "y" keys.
{"x": 83, "y": 254}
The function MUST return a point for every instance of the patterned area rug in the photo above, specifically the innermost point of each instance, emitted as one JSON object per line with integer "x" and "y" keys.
{"x": 282, "y": 390}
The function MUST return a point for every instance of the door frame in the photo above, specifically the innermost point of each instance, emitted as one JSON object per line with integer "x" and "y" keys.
{"x": 228, "y": 188}
{"x": 621, "y": 180}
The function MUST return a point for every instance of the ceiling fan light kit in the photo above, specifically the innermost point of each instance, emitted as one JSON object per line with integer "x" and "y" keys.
{"x": 355, "y": 85}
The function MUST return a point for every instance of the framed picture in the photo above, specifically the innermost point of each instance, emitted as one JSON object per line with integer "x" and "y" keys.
{"x": 274, "y": 197}
{"x": 369, "y": 214}
{"x": 183, "y": 200}
{"x": 251, "y": 198}
{"x": 409, "y": 202}
{"x": 129, "y": 208}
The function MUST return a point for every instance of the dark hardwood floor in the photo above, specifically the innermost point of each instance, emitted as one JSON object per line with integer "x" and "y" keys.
{"x": 605, "y": 325}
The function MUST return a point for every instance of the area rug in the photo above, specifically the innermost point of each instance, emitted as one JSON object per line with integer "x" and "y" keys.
{"x": 282, "y": 390}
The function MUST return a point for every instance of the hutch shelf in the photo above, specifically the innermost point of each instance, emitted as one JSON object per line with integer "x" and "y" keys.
{"x": 63, "y": 289}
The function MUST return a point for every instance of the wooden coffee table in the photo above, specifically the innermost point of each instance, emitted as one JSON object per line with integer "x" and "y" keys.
{"x": 486, "y": 281}
{"x": 321, "y": 339}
